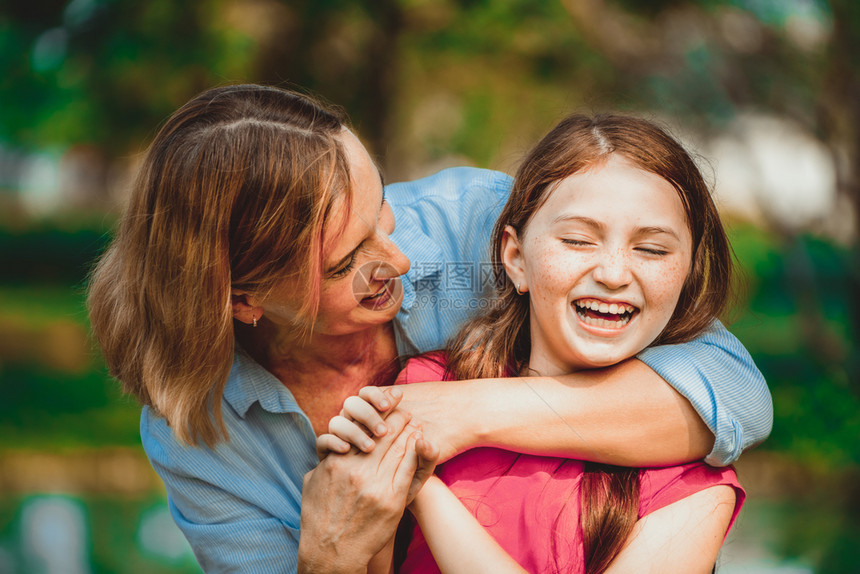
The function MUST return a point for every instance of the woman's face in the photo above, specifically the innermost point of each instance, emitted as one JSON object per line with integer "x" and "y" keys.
{"x": 361, "y": 270}
{"x": 604, "y": 261}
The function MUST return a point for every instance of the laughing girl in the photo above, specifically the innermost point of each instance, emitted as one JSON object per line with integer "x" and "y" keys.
{"x": 610, "y": 243}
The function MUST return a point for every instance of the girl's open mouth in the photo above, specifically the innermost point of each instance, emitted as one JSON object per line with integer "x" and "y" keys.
{"x": 596, "y": 313}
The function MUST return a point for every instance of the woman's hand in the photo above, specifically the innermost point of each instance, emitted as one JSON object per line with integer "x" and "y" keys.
{"x": 370, "y": 409}
{"x": 352, "y": 503}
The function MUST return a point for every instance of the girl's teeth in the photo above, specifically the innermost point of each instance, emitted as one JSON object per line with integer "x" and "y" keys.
{"x": 595, "y": 322}
{"x": 614, "y": 308}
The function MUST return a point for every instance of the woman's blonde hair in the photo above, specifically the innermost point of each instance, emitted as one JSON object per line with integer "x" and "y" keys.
{"x": 232, "y": 194}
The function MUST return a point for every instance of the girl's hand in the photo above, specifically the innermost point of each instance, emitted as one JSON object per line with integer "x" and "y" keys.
{"x": 361, "y": 419}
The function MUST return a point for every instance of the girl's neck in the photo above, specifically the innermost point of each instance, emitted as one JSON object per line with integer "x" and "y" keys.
{"x": 541, "y": 365}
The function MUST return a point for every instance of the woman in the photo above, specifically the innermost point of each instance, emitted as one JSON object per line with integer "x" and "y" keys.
{"x": 250, "y": 289}
{"x": 611, "y": 242}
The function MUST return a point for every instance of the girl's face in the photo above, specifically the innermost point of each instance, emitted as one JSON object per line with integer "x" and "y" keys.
{"x": 360, "y": 284}
{"x": 604, "y": 261}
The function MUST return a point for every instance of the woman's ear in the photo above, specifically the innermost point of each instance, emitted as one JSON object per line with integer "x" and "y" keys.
{"x": 512, "y": 258}
{"x": 246, "y": 307}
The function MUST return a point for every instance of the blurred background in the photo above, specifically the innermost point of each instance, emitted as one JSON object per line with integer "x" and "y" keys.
{"x": 766, "y": 92}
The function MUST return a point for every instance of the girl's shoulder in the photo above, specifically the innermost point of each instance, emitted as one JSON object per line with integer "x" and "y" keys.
{"x": 661, "y": 487}
{"x": 425, "y": 367}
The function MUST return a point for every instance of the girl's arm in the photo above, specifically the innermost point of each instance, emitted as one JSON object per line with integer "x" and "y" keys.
{"x": 456, "y": 539}
{"x": 685, "y": 536}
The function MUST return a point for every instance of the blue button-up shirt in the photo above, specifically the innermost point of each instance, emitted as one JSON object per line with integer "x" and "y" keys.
{"x": 239, "y": 503}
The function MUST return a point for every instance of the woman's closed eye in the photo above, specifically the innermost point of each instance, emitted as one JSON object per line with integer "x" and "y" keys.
{"x": 345, "y": 269}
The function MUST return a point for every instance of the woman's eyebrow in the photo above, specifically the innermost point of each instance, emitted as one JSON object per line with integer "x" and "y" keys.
{"x": 349, "y": 255}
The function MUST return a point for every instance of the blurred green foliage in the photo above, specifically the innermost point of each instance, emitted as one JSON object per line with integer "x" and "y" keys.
{"x": 114, "y": 526}
{"x": 427, "y": 83}
{"x": 795, "y": 321}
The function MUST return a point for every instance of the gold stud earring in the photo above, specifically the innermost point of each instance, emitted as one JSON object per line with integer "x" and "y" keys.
{"x": 518, "y": 289}
{"x": 254, "y": 324}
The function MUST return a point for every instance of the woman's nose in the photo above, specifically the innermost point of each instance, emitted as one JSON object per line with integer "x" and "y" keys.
{"x": 393, "y": 263}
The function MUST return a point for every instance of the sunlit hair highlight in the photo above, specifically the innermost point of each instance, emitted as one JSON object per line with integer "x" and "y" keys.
{"x": 497, "y": 343}
{"x": 232, "y": 193}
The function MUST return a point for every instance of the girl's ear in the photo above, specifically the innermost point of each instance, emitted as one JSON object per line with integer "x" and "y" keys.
{"x": 246, "y": 307}
{"x": 512, "y": 258}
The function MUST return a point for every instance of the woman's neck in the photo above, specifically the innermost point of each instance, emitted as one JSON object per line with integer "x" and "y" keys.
{"x": 322, "y": 371}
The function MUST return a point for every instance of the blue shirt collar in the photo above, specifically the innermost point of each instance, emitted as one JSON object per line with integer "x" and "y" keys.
{"x": 249, "y": 383}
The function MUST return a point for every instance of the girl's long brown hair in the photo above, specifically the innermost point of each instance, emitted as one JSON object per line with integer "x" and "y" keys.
{"x": 497, "y": 343}
{"x": 232, "y": 194}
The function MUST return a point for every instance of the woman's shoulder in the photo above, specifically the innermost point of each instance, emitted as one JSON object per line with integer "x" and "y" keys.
{"x": 429, "y": 366}
{"x": 454, "y": 183}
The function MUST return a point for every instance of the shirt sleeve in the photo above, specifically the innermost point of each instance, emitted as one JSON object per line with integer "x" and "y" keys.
{"x": 719, "y": 378}
{"x": 444, "y": 224}
{"x": 254, "y": 543}
{"x": 233, "y": 519}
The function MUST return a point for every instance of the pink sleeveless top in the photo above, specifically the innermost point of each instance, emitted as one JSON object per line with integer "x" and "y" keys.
{"x": 531, "y": 504}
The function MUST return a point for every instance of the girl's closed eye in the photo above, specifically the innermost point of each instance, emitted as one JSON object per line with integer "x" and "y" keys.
{"x": 657, "y": 251}
{"x": 575, "y": 242}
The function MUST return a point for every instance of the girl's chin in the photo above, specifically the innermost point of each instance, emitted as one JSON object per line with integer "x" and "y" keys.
{"x": 609, "y": 353}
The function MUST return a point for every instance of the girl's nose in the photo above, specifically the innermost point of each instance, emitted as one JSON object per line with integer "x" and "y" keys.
{"x": 613, "y": 270}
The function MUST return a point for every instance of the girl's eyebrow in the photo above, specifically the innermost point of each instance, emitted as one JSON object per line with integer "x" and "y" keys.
{"x": 578, "y": 218}
{"x": 656, "y": 230}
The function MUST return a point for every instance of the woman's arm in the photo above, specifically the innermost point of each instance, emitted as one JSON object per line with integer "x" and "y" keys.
{"x": 685, "y": 536}
{"x": 717, "y": 375}
{"x": 625, "y": 415}
{"x": 456, "y": 539}
{"x": 383, "y": 561}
